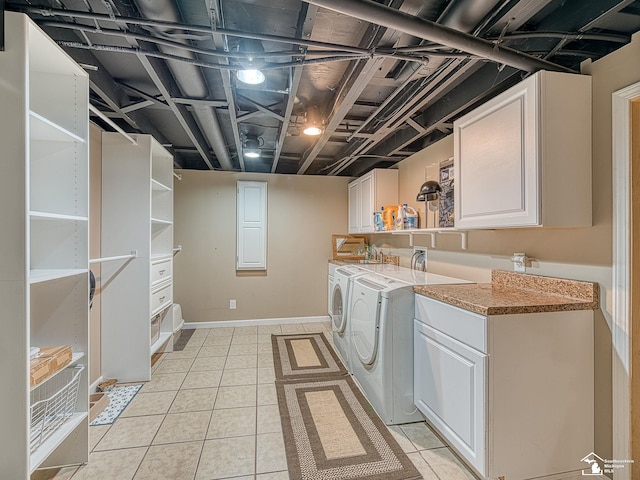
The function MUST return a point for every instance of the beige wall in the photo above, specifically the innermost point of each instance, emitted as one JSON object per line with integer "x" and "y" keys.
{"x": 303, "y": 213}
{"x": 95, "y": 219}
{"x": 580, "y": 253}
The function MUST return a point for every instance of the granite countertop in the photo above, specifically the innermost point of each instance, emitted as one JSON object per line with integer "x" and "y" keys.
{"x": 511, "y": 292}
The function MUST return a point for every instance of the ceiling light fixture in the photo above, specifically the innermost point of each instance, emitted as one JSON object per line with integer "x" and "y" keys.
{"x": 313, "y": 121}
{"x": 251, "y": 147}
{"x": 250, "y": 72}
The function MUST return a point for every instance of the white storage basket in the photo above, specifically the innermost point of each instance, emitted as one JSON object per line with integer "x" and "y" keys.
{"x": 53, "y": 403}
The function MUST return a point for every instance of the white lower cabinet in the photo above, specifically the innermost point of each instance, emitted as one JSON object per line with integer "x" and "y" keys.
{"x": 453, "y": 395}
{"x": 512, "y": 394}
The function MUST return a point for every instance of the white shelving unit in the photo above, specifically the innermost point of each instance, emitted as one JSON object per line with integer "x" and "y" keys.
{"x": 44, "y": 284}
{"x": 137, "y": 215}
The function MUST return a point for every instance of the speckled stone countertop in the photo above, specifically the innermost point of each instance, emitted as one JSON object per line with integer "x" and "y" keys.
{"x": 511, "y": 292}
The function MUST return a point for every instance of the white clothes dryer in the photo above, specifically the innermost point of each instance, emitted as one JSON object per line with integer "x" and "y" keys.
{"x": 381, "y": 348}
{"x": 339, "y": 311}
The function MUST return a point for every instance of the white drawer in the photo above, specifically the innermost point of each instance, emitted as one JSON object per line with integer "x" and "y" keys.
{"x": 161, "y": 270}
{"x": 465, "y": 326}
{"x": 161, "y": 297}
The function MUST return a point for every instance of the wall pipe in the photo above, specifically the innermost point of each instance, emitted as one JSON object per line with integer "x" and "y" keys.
{"x": 434, "y": 32}
{"x": 231, "y": 55}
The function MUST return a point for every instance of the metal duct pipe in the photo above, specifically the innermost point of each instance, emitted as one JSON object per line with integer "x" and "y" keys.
{"x": 427, "y": 30}
{"x": 190, "y": 80}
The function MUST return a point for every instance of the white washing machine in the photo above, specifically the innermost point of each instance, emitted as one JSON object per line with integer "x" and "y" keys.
{"x": 339, "y": 309}
{"x": 381, "y": 346}
{"x": 331, "y": 270}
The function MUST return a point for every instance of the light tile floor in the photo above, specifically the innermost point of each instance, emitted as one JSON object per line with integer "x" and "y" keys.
{"x": 210, "y": 412}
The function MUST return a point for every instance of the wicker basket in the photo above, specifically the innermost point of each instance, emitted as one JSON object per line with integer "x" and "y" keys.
{"x": 53, "y": 403}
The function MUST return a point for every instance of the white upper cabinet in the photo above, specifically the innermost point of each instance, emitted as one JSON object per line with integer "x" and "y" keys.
{"x": 524, "y": 158}
{"x": 367, "y": 194}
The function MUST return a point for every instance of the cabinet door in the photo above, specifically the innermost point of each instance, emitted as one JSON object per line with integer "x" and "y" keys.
{"x": 354, "y": 206}
{"x": 449, "y": 389}
{"x": 252, "y": 226}
{"x": 367, "y": 200}
{"x": 496, "y": 161}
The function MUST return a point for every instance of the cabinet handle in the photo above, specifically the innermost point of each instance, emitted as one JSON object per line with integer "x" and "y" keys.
{"x": 161, "y": 299}
{"x": 161, "y": 272}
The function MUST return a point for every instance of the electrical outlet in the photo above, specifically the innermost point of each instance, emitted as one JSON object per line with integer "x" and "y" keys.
{"x": 519, "y": 262}
{"x": 232, "y": 304}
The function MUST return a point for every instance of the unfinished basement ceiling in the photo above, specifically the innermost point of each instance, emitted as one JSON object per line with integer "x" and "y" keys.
{"x": 387, "y": 78}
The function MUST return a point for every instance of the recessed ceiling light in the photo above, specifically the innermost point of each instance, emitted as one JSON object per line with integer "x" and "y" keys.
{"x": 313, "y": 121}
{"x": 250, "y": 76}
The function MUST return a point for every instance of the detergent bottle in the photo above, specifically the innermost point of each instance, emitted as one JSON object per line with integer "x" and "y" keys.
{"x": 402, "y": 214}
{"x": 378, "y": 225}
{"x": 389, "y": 215}
{"x": 410, "y": 217}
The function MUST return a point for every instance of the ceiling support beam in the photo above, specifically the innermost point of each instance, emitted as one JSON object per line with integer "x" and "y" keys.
{"x": 180, "y": 111}
{"x": 294, "y": 82}
{"x": 265, "y": 110}
{"x": 362, "y": 74}
{"x": 137, "y": 106}
{"x": 220, "y": 42}
{"x": 353, "y": 91}
{"x": 139, "y": 93}
{"x": 200, "y": 102}
{"x": 306, "y": 20}
{"x": 445, "y": 76}
{"x": 391, "y": 18}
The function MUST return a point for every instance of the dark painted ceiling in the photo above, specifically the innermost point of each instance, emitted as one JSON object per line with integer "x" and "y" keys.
{"x": 387, "y": 78}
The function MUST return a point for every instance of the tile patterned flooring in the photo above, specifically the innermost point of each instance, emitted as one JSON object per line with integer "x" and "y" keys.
{"x": 210, "y": 412}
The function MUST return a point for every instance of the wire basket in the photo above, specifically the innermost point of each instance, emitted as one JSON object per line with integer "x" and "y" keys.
{"x": 54, "y": 403}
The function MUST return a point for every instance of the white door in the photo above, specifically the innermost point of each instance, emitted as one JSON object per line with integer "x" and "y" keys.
{"x": 251, "y": 247}
{"x": 365, "y": 320}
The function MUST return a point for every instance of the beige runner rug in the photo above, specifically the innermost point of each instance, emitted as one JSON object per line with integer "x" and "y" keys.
{"x": 304, "y": 355}
{"x": 330, "y": 430}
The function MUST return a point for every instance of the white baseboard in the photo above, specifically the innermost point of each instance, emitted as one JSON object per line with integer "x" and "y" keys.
{"x": 94, "y": 385}
{"x": 256, "y": 321}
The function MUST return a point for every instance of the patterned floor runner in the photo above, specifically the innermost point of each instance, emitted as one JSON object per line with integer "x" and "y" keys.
{"x": 119, "y": 397}
{"x": 330, "y": 430}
